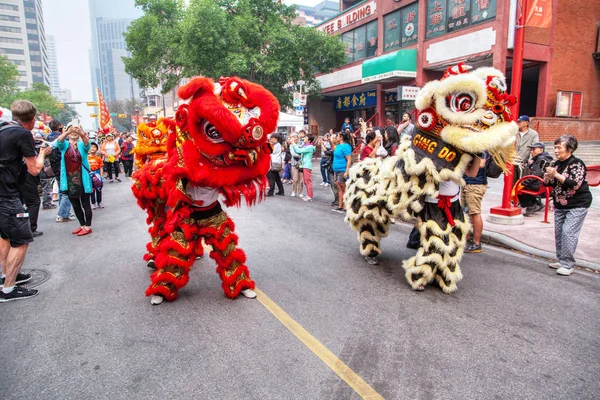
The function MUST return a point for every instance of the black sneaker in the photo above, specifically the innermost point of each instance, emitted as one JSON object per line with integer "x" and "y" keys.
{"x": 18, "y": 293}
{"x": 473, "y": 247}
{"x": 37, "y": 233}
{"x": 21, "y": 278}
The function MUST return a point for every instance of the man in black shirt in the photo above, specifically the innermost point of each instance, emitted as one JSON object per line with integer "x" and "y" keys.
{"x": 16, "y": 145}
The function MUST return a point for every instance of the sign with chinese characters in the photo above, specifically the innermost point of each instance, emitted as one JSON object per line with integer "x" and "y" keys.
{"x": 305, "y": 115}
{"x": 354, "y": 15}
{"x": 392, "y": 25}
{"x": 408, "y": 92}
{"x": 410, "y": 21}
{"x": 362, "y": 100}
{"x": 482, "y": 10}
{"x": 459, "y": 13}
{"x": 436, "y": 18}
{"x": 539, "y": 13}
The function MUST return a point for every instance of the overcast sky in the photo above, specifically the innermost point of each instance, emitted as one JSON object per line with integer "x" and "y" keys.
{"x": 69, "y": 22}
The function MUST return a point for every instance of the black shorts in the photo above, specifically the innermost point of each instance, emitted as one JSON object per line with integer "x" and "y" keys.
{"x": 14, "y": 222}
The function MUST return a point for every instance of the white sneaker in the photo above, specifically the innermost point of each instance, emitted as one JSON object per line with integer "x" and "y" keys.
{"x": 300, "y": 195}
{"x": 564, "y": 271}
{"x": 249, "y": 293}
{"x": 100, "y": 205}
{"x": 372, "y": 260}
{"x": 94, "y": 206}
{"x": 555, "y": 265}
{"x": 322, "y": 184}
{"x": 156, "y": 300}
{"x": 326, "y": 185}
{"x": 307, "y": 199}
{"x": 293, "y": 194}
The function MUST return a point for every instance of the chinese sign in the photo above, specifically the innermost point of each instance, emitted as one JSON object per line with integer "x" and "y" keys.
{"x": 408, "y": 92}
{"x": 539, "y": 13}
{"x": 409, "y": 24}
{"x": 482, "y": 10}
{"x": 349, "y": 18}
{"x": 436, "y": 18}
{"x": 459, "y": 13}
{"x": 362, "y": 100}
{"x": 305, "y": 115}
{"x": 392, "y": 24}
{"x": 450, "y": 15}
{"x": 401, "y": 28}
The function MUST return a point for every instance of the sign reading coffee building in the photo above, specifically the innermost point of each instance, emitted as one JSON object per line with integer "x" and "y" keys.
{"x": 349, "y": 18}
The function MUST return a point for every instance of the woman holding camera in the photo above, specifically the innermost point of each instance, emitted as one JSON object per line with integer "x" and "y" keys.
{"x": 572, "y": 199}
{"x": 75, "y": 177}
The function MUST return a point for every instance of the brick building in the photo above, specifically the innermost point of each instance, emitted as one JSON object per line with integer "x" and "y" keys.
{"x": 395, "y": 47}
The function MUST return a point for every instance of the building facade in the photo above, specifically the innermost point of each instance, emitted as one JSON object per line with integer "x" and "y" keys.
{"x": 23, "y": 40}
{"x": 394, "y": 47}
{"x": 313, "y": 16}
{"x": 109, "y": 19}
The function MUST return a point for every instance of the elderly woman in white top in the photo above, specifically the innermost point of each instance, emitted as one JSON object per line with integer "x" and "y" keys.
{"x": 276, "y": 166}
{"x": 111, "y": 151}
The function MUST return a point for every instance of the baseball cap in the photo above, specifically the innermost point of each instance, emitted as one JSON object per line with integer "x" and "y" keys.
{"x": 523, "y": 118}
{"x": 537, "y": 145}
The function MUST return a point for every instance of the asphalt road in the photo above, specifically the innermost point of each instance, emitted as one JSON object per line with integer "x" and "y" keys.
{"x": 513, "y": 330}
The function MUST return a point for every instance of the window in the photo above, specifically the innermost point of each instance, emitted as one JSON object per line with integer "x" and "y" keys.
{"x": 360, "y": 48}
{"x": 10, "y": 7}
{"x": 17, "y": 62}
{"x": 348, "y": 40}
{"x": 10, "y": 29}
{"x": 372, "y": 34}
{"x": 12, "y": 51}
{"x": 9, "y": 18}
{"x": 451, "y": 15}
{"x": 568, "y": 104}
{"x": 11, "y": 40}
{"x": 401, "y": 27}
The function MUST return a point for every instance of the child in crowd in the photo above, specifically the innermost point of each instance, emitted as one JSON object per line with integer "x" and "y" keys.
{"x": 96, "y": 171}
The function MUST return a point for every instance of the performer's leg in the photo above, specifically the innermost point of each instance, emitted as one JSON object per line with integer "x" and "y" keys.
{"x": 419, "y": 268}
{"x": 174, "y": 256}
{"x": 218, "y": 232}
{"x": 448, "y": 272}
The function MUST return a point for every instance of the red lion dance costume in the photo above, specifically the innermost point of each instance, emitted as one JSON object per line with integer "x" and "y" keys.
{"x": 217, "y": 146}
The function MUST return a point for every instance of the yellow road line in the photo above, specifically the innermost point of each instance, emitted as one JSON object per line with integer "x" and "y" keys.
{"x": 350, "y": 377}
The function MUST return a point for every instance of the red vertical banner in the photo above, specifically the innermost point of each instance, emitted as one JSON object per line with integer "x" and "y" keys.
{"x": 104, "y": 120}
{"x": 538, "y": 13}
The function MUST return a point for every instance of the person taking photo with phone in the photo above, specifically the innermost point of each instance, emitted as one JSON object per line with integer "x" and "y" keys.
{"x": 17, "y": 158}
{"x": 75, "y": 177}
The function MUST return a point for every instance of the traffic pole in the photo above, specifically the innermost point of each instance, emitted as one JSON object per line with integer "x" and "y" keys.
{"x": 517, "y": 76}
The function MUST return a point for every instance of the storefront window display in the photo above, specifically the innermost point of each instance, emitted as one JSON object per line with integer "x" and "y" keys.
{"x": 451, "y": 15}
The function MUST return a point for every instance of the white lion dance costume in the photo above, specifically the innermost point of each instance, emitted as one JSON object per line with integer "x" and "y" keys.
{"x": 464, "y": 113}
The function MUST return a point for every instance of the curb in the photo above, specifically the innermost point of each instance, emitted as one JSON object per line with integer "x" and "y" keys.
{"x": 498, "y": 239}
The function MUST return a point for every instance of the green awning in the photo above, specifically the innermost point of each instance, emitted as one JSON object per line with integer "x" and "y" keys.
{"x": 399, "y": 64}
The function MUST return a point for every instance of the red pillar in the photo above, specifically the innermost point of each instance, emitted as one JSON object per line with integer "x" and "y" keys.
{"x": 380, "y": 105}
{"x": 517, "y": 74}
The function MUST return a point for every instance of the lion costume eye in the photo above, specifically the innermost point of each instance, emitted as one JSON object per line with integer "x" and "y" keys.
{"x": 463, "y": 102}
{"x": 212, "y": 133}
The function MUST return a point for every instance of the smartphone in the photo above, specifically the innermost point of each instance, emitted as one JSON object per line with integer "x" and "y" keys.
{"x": 74, "y": 122}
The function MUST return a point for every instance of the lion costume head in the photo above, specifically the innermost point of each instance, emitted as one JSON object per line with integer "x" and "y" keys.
{"x": 221, "y": 136}
{"x": 470, "y": 110}
{"x": 152, "y": 140}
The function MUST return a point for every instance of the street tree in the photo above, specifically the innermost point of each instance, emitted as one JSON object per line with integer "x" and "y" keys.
{"x": 125, "y": 107}
{"x": 253, "y": 39}
{"x": 9, "y": 77}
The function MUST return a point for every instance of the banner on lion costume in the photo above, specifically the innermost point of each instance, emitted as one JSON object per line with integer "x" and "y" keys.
{"x": 217, "y": 147}
{"x": 459, "y": 116}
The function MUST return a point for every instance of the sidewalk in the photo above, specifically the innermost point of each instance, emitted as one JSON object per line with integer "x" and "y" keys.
{"x": 537, "y": 238}
{"x": 533, "y": 237}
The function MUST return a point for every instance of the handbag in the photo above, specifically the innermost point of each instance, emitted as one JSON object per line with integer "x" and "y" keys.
{"x": 276, "y": 166}
{"x": 96, "y": 180}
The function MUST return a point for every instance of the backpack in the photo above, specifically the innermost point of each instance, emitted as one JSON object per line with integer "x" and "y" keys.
{"x": 492, "y": 170}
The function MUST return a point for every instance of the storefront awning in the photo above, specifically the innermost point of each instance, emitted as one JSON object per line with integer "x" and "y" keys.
{"x": 399, "y": 64}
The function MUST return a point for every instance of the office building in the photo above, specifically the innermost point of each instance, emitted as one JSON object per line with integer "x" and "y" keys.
{"x": 23, "y": 40}
{"x": 109, "y": 19}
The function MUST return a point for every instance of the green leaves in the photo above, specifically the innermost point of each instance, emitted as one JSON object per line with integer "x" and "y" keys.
{"x": 252, "y": 39}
